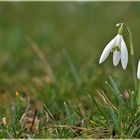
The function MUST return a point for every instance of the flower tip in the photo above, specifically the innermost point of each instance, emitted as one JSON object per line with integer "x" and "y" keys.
{"x": 138, "y": 70}
{"x": 124, "y": 67}
{"x": 100, "y": 62}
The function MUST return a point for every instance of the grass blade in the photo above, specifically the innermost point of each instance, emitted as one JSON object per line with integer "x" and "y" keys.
{"x": 72, "y": 67}
{"x": 114, "y": 118}
{"x": 68, "y": 113}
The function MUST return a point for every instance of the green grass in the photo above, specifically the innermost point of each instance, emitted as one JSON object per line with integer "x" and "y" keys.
{"x": 51, "y": 85}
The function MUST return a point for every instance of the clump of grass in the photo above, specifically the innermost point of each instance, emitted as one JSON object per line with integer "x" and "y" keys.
{"x": 120, "y": 116}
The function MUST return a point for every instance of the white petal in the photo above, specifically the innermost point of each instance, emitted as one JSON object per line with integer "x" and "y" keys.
{"x": 116, "y": 57}
{"x": 124, "y": 54}
{"x": 118, "y": 40}
{"x": 107, "y": 50}
{"x": 138, "y": 70}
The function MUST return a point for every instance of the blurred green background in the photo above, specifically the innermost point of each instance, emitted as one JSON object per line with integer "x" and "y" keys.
{"x": 71, "y": 36}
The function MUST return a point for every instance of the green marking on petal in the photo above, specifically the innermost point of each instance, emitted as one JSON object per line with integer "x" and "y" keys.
{"x": 116, "y": 48}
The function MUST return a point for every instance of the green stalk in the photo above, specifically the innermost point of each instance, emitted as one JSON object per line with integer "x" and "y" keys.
{"x": 138, "y": 99}
{"x": 132, "y": 56}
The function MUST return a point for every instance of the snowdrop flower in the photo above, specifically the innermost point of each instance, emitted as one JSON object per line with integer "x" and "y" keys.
{"x": 119, "y": 49}
{"x": 138, "y": 71}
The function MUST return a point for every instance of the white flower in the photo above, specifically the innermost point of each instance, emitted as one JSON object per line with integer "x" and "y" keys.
{"x": 138, "y": 71}
{"x": 119, "y": 49}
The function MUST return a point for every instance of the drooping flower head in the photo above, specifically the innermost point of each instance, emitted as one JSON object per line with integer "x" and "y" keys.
{"x": 138, "y": 70}
{"x": 118, "y": 47}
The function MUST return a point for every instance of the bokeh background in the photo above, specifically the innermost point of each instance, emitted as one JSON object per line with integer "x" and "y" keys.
{"x": 50, "y": 50}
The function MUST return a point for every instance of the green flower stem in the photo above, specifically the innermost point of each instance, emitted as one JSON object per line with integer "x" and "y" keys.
{"x": 138, "y": 97}
{"x": 134, "y": 71}
{"x": 132, "y": 56}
